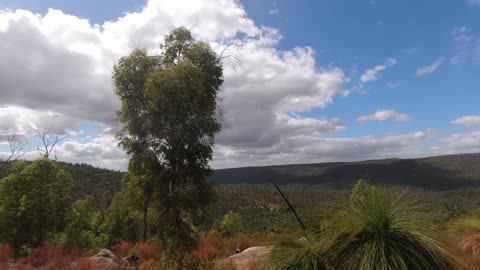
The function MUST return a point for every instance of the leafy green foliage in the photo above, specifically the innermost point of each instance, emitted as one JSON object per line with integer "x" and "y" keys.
{"x": 121, "y": 221}
{"x": 34, "y": 203}
{"x": 141, "y": 184}
{"x": 79, "y": 232}
{"x": 169, "y": 117}
{"x": 231, "y": 224}
{"x": 87, "y": 226}
{"x": 87, "y": 180}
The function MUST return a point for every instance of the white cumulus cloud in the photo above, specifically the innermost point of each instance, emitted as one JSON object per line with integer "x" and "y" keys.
{"x": 55, "y": 71}
{"x": 61, "y": 63}
{"x": 469, "y": 121}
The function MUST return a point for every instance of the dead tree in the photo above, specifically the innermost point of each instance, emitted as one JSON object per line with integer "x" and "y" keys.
{"x": 48, "y": 140}
{"x": 16, "y": 145}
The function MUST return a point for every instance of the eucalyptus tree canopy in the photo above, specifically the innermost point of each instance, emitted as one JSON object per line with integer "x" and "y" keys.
{"x": 169, "y": 111}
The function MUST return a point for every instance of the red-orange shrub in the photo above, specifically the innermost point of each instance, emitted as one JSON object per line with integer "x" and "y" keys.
{"x": 148, "y": 251}
{"x": 83, "y": 265}
{"x": 48, "y": 256}
{"x": 122, "y": 248}
{"x": 6, "y": 253}
{"x": 205, "y": 250}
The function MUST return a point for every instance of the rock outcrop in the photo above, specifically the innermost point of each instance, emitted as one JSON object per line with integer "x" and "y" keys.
{"x": 247, "y": 259}
{"x": 104, "y": 260}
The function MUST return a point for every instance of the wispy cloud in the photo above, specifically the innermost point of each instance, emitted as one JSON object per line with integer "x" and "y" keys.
{"x": 467, "y": 46}
{"x": 429, "y": 69}
{"x": 274, "y": 9}
{"x": 410, "y": 51}
{"x": 393, "y": 84}
{"x": 474, "y": 2}
{"x": 384, "y": 115}
{"x": 371, "y": 74}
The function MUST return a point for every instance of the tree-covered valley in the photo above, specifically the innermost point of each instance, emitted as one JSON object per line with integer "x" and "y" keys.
{"x": 244, "y": 213}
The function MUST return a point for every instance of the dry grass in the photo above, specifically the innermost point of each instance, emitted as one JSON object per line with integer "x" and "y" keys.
{"x": 471, "y": 245}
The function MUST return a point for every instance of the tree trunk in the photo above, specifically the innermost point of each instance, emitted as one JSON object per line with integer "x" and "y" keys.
{"x": 180, "y": 259}
{"x": 145, "y": 223}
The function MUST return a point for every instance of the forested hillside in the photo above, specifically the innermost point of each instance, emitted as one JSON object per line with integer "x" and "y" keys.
{"x": 87, "y": 180}
{"x": 441, "y": 172}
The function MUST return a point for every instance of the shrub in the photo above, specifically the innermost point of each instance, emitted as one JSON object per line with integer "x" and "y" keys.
{"x": 205, "y": 250}
{"x": 48, "y": 256}
{"x": 158, "y": 264}
{"x": 83, "y": 265}
{"x": 148, "y": 251}
{"x": 231, "y": 224}
{"x": 471, "y": 245}
{"x": 6, "y": 253}
{"x": 381, "y": 233}
{"x": 297, "y": 254}
{"x": 197, "y": 263}
{"x": 122, "y": 248}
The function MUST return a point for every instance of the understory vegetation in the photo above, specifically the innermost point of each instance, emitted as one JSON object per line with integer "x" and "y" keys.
{"x": 382, "y": 226}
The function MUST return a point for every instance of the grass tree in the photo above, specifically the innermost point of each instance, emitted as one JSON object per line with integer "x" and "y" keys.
{"x": 293, "y": 254}
{"x": 382, "y": 233}
{"x": 375, "y": 232}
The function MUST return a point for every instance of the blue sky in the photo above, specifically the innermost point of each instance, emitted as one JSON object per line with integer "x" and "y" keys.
{"x": 413, "y": 63}
{"x": 363, "y": 34}
{"x": 95, "y": 11}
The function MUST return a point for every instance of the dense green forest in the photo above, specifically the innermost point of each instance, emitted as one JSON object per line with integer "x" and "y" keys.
{"x": 264, "y": 210}
{"x": 450, "y": 172}
{"x": 87, "y": 180}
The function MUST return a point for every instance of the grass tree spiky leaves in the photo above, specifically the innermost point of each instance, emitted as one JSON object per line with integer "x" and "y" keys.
{"x": 381, "y": 233}
{"x": 298, "y": 254}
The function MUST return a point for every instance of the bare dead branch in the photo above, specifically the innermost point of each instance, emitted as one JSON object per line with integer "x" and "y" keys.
{"x": 224, "y": 49}
{"x": 49, "y": 140}
{"x": 231, "y": 58}
{"x": 16, "y": 145}
{"x": 299, "y": 219}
